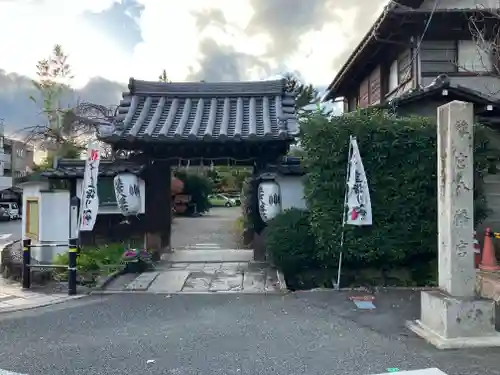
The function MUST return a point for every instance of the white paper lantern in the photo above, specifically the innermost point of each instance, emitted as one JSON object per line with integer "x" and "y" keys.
{"x": 128, "y": 194}
{"x": 269, "y": 200}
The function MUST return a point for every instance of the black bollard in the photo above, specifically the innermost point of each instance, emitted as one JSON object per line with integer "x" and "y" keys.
{"x": 73, "y": 251}
{"x": 26, "y": 263}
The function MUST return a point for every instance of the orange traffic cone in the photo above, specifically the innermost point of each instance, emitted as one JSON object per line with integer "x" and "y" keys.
{"x": 488, "y": 260}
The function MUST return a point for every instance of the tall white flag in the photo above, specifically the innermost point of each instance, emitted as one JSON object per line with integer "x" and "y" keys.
{"x": 90, "y": 200}
{"x": 359, "y": 207}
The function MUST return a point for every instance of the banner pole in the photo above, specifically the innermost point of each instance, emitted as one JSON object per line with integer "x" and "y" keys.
{"x": 342, "y": 234}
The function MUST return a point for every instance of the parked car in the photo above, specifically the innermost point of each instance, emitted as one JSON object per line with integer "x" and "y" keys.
{"x": 222, "y": 200}
{"x": 12, "y": 210}
{"x": 235, "y": 196}
{"x": 4, "y": 214}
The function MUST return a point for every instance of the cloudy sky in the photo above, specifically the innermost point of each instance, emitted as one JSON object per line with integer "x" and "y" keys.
{"x": 109, "y": 41}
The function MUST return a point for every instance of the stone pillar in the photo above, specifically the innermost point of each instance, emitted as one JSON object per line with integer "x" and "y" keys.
{"x": 456, "y": 199}
{"x": 452, "y": 317}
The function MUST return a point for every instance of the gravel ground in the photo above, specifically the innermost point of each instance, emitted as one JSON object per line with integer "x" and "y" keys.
{"x": 214, "y": 227}
{"x": 301, "y": 333}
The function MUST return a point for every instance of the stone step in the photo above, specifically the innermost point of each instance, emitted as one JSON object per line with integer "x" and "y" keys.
{"x": 225, "y": 278}
{"x": 209, "y": 256}
{"x": 202, "y": 246}
{"x": 428, "y": 371}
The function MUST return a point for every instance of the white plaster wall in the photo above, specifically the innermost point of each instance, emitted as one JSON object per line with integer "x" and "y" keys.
{"x": 5, "y": 182}
{"x": 31, "y": 190}
{"x": 54, "y": 211}
{"x": 108, "y": 210}
{"x": 292, "y": 192}
{"x": 53, "y": 219}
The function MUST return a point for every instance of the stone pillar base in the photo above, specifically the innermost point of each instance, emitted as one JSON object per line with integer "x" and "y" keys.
{"x": 449, "y": 322}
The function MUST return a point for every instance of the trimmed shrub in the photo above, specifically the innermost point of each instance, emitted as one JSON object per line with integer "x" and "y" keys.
{"x": 199, "y": 188}
{"x": 92, "y": 262}
{"x": 400, "y": 160}
{"x": 290, "y": 242}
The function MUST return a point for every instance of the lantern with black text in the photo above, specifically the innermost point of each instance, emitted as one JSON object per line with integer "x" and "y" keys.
{"x": 269, "y": 200}
{"x": 128, "y": 194}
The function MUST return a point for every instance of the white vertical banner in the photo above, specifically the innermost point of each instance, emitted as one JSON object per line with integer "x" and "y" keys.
{"x": 359, "y": 207}
{"x": 90, "y": 200}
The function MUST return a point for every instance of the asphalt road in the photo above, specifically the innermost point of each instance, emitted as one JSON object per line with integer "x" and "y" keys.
{"x": 10, "y": 231}
{"x": 212, "y": 334}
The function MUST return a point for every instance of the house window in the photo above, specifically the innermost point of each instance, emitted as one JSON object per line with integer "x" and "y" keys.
{"x": 438, "y": 57}
{"x": 106, "y": 192}
{"x": 400, "y": 71}
{"x": 473, "y": 57}
{"x": 393, "y": 76}
{"x": 32, "y": 225}
{"x": 404, "y": 66}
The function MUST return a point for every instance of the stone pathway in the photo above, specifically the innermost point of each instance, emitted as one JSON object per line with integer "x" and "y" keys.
{"x": 206, "y": 259}
{"x": 207, "y": 270}
{"x": 13, "y": 298}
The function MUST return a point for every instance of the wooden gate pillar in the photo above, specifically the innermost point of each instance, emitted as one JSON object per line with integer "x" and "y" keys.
{"x": 158, "y": 208}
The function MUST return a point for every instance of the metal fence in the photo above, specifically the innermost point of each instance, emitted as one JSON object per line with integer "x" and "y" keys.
{"x": 28, "y": 266}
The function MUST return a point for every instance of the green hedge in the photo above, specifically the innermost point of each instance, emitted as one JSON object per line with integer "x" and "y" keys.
{"x": 400, "y": 160}
{"x": 290, "y": 242}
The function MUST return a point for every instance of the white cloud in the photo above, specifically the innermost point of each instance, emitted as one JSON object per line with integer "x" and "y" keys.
{"x": 56, "y": 22}
{"x": 171, "y": 35}
{"x": 170, "y": 39}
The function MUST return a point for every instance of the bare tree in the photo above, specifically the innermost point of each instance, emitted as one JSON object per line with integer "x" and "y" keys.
{"x": 53, "y": 84}
{"x": 484, "y": 26}
{"x": 84, "y": 120}
{"x": 66, "y": 130}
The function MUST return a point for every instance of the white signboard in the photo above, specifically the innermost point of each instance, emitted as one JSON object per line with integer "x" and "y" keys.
{"x": 89, "y": 199}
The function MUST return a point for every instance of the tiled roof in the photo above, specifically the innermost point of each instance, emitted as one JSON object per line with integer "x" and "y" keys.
{"x": 441, "y": 83}
{"x": 70, "y": 168}
{"x": 289, "y": 166}
{"x": 166, "y": 112}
